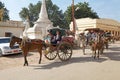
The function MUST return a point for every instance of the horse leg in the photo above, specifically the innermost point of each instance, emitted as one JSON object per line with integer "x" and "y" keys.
{"x": 84, "y": 50}
{"x": 94, "y": 54}
{"x": 98, "y": 54}
{"x": 25, "y": 59}
{"x": 101, "y": 51}
{"x": 83, "y": 47}
{"x": 106, "y": 45}
{"x": 40, "y": 52}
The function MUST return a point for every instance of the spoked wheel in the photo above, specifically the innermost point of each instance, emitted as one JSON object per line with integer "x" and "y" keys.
{"x": 64, "y": 51}
{"x": 51, "y": 55}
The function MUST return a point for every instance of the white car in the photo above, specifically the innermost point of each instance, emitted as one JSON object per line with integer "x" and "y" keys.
{"x": 5, "y": 49}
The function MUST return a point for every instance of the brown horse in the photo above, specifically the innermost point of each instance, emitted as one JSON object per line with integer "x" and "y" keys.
{"x": 97, "y": 45}
{"x": 27, "y": 46}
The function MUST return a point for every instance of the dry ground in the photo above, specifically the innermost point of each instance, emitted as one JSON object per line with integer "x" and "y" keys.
{"x": 79, "y": 67}
{"x": 16, "y": 60}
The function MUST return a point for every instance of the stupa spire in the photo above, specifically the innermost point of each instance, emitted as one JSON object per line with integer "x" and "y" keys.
{"x": 43, "y": 16}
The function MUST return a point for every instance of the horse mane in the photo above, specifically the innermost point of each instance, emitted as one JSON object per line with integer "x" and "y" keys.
{"x": 16, "y": 37}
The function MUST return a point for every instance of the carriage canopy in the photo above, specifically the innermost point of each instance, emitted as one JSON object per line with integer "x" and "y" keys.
{"x": 53, "y": 31}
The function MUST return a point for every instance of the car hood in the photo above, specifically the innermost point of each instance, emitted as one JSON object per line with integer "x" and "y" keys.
{"x": 6, "y": 45}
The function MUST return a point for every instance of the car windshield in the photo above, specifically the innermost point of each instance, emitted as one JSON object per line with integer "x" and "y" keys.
{"x": 5, "y": 40}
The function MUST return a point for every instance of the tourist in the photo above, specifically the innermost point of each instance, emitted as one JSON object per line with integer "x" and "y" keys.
{"x": 56, "y": 38}
{"x": 48, "y": 37}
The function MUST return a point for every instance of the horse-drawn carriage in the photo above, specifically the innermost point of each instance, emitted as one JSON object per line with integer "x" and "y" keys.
{"x": 63, "y": 49}
{"x": 96, "y": 40}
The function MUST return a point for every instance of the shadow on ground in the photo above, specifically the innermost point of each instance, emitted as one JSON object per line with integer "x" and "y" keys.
{"x": 113, "y": 55}
{"x": 115, "y": 48}
{"x": 71, "y": 61}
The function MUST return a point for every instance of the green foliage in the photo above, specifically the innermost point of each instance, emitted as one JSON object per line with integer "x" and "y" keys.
{"x": 81, "y": 10}
{"x": 54, "y": 14}
{"x": 31, "y": 12}
{"x": 5, "y": 12}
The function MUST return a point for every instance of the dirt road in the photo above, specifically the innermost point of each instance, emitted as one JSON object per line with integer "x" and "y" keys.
{"x": 79, "y": 67}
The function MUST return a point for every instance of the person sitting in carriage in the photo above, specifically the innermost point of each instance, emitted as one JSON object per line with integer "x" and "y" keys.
{"x": 91, "y": 36}
{"x": 53, "y": 38}
{"x": 94, "y": 36}
{"x": 56, "y": 38}
{"x": 48, "y": 37}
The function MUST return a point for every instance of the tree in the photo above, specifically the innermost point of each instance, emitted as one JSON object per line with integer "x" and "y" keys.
{"x": 4, "y": 13}
{"x": 31, "y": 12}
{"x": 54, "y": 14}
{"x": 82, "y": 10}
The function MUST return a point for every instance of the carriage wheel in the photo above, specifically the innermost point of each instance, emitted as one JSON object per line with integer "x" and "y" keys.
{"x": 64, "y": 51}
{"x": 51, "y": 55}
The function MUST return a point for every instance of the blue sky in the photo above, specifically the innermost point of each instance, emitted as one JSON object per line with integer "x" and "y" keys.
{"x": 104, "y": 8}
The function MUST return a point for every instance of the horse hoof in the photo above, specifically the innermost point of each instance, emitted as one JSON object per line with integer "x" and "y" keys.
{"x": 39, "y": 63}
{"x": 25, "y": 64}
{"x": 98, "y": 57}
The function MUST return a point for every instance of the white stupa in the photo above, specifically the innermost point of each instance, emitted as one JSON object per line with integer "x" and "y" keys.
{"x": 39, "y": 30}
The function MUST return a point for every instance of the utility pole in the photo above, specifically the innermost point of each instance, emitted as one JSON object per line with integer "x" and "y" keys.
{"x": 73, "y": 19}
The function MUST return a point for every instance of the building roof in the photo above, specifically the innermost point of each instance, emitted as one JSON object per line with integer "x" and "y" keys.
{"x": 108, "y": 21}
{"x": 100, "y": 21}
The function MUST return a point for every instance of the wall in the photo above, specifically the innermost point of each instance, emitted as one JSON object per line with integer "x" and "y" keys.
{"x": 14, "y": 27}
